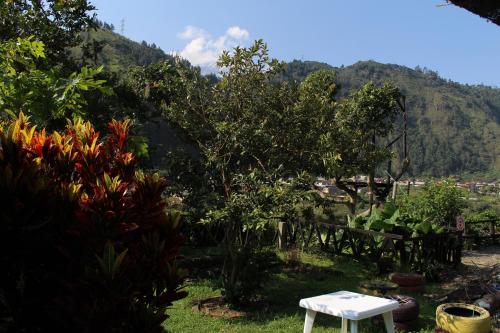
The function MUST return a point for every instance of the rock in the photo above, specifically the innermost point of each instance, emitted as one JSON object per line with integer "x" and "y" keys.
{"x": 483, "y": 303}
{"x": 490, "y": 302}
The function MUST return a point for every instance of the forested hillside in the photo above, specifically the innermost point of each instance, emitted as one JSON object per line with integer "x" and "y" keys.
{"x": 453, "y": 128}
{"x": 115, "y": 51}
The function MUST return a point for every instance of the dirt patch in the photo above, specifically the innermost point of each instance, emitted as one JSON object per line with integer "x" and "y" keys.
{"x": 480, "y": 270}
{"x": 216, "y": 307}
{"x": 484, "y": 257}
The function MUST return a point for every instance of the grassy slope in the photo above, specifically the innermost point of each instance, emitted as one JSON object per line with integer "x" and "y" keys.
{"x": 283, "y": 292}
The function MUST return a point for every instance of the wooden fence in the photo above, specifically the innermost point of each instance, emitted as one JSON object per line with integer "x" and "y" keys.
{"x": 445, "y": 248}
{"x": 482, "y": 236}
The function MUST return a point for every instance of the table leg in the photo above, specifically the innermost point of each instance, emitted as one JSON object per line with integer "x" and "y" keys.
{"x": 308, "y": 324}
{"x": 345, "y": 323}
{"x": 389, "y": 322}
{"x": 354, "y": 326}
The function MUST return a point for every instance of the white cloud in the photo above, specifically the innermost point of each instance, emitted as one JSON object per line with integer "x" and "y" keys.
{"x": 192, "y": 32}
{"x": 203, "y": 49}
{"x": 237, "y": 33}
{"x": 199, "y": 52}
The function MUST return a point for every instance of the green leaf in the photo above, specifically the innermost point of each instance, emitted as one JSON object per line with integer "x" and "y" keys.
{"x": 109, "y": 257}
{"x": 118, "y": 262}
{"x": 423, "y": 227}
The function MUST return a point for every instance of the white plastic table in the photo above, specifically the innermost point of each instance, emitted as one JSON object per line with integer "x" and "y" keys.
{"x": 349, "y": 306}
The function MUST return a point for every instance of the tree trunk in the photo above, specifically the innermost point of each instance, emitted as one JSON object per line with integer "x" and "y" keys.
{"x": 371, "y": 186}
{"x": 353, "y": 195}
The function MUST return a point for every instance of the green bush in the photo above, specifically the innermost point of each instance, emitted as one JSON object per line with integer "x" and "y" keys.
{"x": 390, "y": 219}
{"x": 437, "y": 202}
{"x": 480, "y": 228}
{"x": 47, "y": 95}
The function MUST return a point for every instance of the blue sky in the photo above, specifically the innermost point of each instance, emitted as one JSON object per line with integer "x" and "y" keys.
{"x": 458, "y": 44}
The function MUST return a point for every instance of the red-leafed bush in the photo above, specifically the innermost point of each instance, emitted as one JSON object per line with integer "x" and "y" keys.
{"x": 85, "y": 244}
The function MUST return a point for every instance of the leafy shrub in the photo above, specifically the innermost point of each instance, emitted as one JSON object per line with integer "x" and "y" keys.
{"x": 480, "y": 228}
{"x": 49, "y": 96}
{"x": 488, "y": 214}
{"x": 86, "y": 243}
{"x": 57, "y": 24}
{"x": 390, "y": 219}
{"x": 437, "y": 202}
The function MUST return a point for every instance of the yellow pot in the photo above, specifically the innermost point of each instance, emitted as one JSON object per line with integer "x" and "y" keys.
{"x": 457, "y": 318}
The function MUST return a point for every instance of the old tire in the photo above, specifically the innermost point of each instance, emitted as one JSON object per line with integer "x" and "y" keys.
{"x": 452, "y": 318}
{"x": 407, "y": 279}
{"x": 377, "y": 287}
{"x": 408, "y": 308}
{"x": 406, "y": 326}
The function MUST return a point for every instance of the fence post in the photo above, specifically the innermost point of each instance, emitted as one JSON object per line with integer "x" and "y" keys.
{"x": 394, "y": 189}
{"x": 403, "y": 260}
{"x": 282, "y": 235}
{"x": 457, "y": 259}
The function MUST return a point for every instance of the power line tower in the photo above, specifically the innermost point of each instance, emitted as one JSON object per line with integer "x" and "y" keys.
{"x": 122, "y": 26}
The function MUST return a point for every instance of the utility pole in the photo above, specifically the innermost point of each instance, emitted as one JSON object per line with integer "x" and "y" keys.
{"x": 122, "y": 26}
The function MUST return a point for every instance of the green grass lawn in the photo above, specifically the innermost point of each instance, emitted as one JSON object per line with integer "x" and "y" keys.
{"x": 282, "y": 293}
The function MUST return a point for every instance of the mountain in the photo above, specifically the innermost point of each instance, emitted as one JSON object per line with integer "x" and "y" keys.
{"x": 452, "y": 128}
{"x": 116, "y": 52}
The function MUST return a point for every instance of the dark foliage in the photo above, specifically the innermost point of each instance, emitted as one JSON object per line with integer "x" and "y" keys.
{"x": 55, "y": 23}
{"x": 86, "y": 244}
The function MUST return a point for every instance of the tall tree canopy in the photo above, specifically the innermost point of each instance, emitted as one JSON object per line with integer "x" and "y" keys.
{"x": 47, "y": 95}
{"x": 258, "y": 139}
{"x": 56, "y": 23}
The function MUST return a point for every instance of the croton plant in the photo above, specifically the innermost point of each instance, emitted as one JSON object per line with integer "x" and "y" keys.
{"x": 86, "y": 242}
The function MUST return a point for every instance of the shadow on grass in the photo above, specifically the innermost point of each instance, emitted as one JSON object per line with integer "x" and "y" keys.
{"x": 318, "y": 276}
{"x": 313, "y": 275}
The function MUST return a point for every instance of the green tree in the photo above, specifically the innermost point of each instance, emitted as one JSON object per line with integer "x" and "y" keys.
{"x": 311, "y": 115}
{"x": 240, "y": 128}
{"x": 254, "y": 137}
{"x": 56, "y": 23}
{"x": 46, "y": 95}
{"x": 355, "y": 145}
{"x": 437, "y": 202}
{"x": 236, "y": 141}
{"x": 341, "y": 138}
